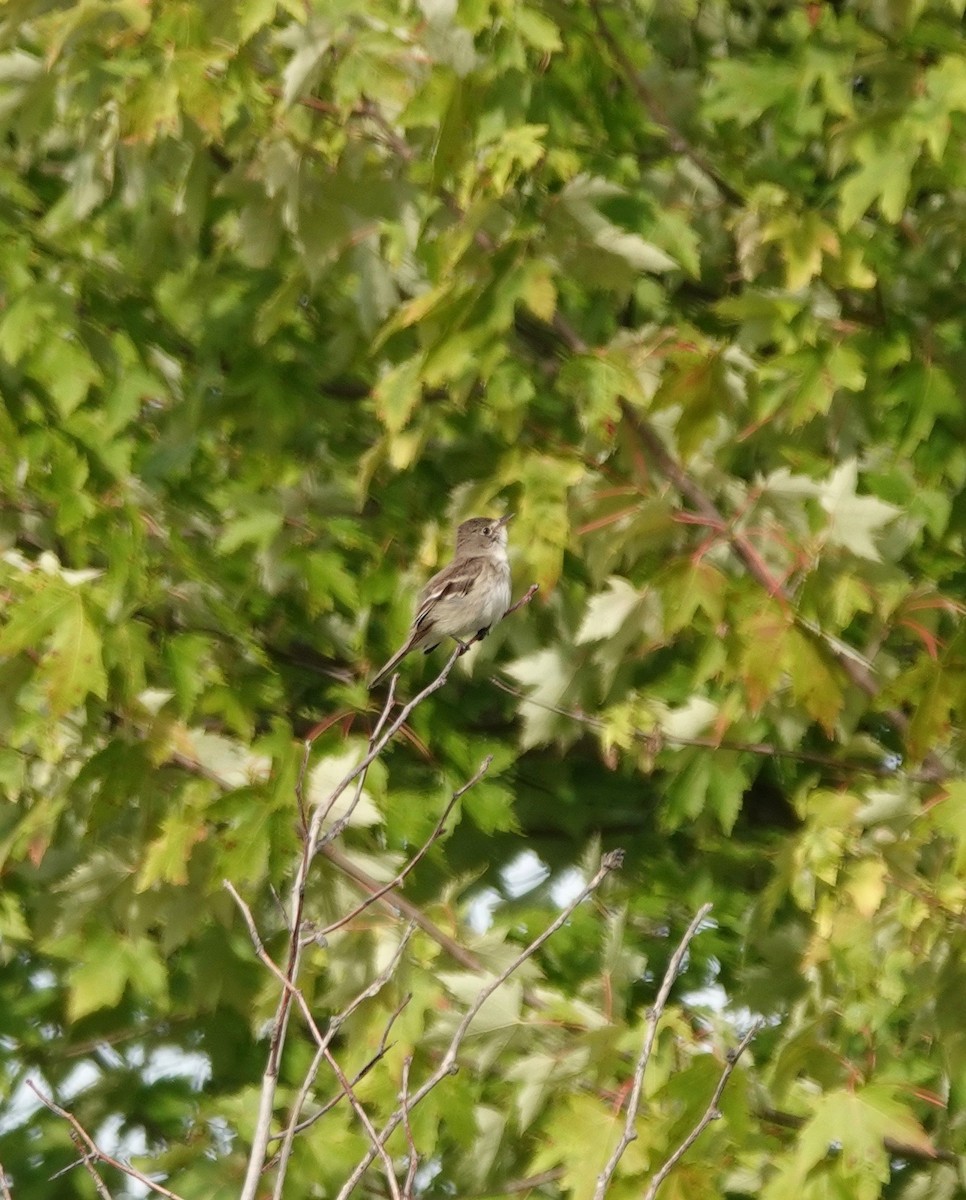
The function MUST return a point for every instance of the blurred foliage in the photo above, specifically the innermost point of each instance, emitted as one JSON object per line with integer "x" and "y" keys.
{"x": 287, "y": 290}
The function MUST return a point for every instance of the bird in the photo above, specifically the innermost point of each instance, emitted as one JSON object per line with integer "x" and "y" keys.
{"x": 466, "y": 597}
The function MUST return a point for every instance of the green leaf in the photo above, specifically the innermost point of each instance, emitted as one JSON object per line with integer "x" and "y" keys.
{"x": 98, "y": 979}
{"x": 167, "y": 856}
{"x": 34, "y": 617}
{"x": 398, "y": 392}
{"x": 537, "y": 29}
{"x": 858, "y": 1121}
{"x": 490, "y": 807}
{"x": 813, "y": 682}
{"x": 64, "y": 366}
{"x": 253, "y": 16}
{"x": 579, "y": 199}
{"x": 547, "y": 674}
{"x": 309, "y": 42}
{"x": 257, "y": 528}
{"x": 597, "y": 383}
{"x": 743, "y": 90}
{"x": 884, "y": 175}
{"x": 866, "y": 884}
{"x": 542, "y": 523}
{"x": 763, "y": 653}
{"x": 73, "y": 667}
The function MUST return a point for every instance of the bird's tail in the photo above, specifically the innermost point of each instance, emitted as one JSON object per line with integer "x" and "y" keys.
{"x": 393, "y": 663}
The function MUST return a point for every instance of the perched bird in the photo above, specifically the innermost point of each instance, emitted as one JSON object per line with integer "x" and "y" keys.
{"x": 466, "y": 597}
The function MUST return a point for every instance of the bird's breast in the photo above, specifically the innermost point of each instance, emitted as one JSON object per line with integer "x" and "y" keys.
{"x": 499, "y": 600}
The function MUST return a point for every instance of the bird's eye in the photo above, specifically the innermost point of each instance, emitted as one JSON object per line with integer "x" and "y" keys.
{"x": 487, "y": 531}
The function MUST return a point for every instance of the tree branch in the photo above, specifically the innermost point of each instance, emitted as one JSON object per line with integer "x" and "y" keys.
{"x": 655, "y": 110}
{"x": 856, "y": 670}
{"x": 660, "y": 739}
{"x": 610, "y": 862}
{"x": 410, "y": 1140}
{"x": 295, "y": 1125}
{"x": 396, "y": 903}
{"x": 311, "y": 844}
{"x": 377, "y": 1145}
{"x": 335, "y": 1025}
{"x": 417, "y": 857}
{"x": 710, "y": 1114}
{"x": 524, "y": 599}
{"x": 91, "y": 1153}
{"x": 305, "y": 1123}
{"x": 650, "y": 1032}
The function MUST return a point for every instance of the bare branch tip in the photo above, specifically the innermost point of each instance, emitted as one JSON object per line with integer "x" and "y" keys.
{"x": 613, "y": 860}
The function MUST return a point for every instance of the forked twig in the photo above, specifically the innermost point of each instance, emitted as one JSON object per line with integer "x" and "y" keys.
{"x": 91, "y": 1153}
{"x": 629, "y": 1133}
{"x": 339, "y": 825}
{"x": 417, "y": 857}
{"x": 335, "y": 1024}
{"x": 310, "y": 845}
{"x": 307, "y": 1122}
{"x": 313, "y": 843}
{"x": 710, "y": 1114}
{"x": 263, "y": 956}
{"x": 371, "y": 1133}
{"x": 610, "y": 862}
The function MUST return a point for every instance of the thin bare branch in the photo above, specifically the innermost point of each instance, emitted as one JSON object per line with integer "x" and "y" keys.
{"x": 399, "y": 904}
{"x": 521, "y": 1185}
{"x": 372, "y": 989}
{"x": 377, "y": 1145}
{"x": 710, "y": 1114}
{"x": 4, "y": 1185}
{"x": 91, "y": 1153}
{"x": 420, "y": 854}
{"x": 264, "y": 957}
{"x": 761, "y": 749}
{"x": 87, "y": 1162}
{"x": 383, "y": 1046}
{"x": 314, "y": 842}
{"x": 310, "y": 844}
{"x": 300, "y": 785}
{"x": 377, "y": 743}
{"x": 396, "y": 903}
{"x": 410, "y": 1140}
{"x": 266, "y": 1100}
{"x": 524, "y": 599}
{"x": 448, "y": 1064}
{"x": 650, "y": 1032}
{"x": 339, "y": 826}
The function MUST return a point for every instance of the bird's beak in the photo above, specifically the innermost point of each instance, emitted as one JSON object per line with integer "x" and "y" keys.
{"x": 504, "y": 520}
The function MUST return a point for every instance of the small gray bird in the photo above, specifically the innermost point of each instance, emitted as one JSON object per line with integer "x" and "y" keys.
{"x": 466, "y": 597}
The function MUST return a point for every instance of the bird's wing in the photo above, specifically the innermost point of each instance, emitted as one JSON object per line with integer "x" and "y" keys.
{"x": 454, "y": 580}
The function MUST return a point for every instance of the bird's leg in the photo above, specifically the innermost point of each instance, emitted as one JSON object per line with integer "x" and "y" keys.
{"x": 477, "y": 637}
